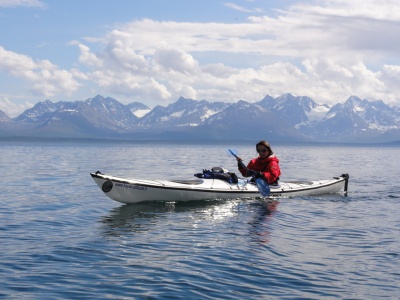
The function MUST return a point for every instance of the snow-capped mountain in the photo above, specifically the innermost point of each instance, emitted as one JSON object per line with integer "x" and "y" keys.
{"x": 295, "y": 110}
{"x": 184, "y": 112}
{"x": 356, "y": 120}
{"x": 37, "y": 113}
{"x": 285, "y": 118}
{"x": 107, "y": 113}
{"x": 94, "y": 117}
{"x": 251, "y": 121}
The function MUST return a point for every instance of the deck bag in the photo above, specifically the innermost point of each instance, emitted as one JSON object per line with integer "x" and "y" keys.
{"x": 218, "y": 173}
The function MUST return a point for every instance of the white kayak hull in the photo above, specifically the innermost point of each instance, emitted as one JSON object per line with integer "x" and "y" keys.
{"x": 139, "y": 190}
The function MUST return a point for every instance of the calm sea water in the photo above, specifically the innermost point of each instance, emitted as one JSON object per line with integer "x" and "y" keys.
{"x": 62, "y": 238}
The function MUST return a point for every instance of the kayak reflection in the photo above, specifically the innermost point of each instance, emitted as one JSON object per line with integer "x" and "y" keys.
{"x": 142, "y": 217}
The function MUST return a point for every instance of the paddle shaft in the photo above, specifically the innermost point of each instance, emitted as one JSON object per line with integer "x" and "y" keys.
{"x": 242, "y": 165}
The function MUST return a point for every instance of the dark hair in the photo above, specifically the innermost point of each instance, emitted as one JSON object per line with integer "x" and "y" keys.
{"x": 265, "y": 144}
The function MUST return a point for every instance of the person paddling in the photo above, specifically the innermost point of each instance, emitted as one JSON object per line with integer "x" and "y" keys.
{"x": 265, "y": 166}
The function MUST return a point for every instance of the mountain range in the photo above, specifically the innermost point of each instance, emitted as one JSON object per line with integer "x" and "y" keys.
{"x": 286, "y": 118}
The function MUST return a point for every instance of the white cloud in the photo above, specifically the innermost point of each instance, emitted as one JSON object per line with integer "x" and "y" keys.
{"x": 176, "y": 60}
{"x": 326, "y": 52}
{"x": 304, "y": 31}
{"x": 237, "y": 7}
{"x": 26, "y": 3}
{"x": 171, "y": 73}
{"x": 13, "y": 109}
{"x": 88, "y": 58}
{"x": 370, "y": 9}
{"x": 45, "y": 79}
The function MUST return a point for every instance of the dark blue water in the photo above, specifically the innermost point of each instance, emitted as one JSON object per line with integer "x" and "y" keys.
{"x": 61, "y": 238}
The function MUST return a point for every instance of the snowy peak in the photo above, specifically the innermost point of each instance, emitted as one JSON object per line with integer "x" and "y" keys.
{"x": 356, "y": 120}
{"x": 107, "y": 113}
{"x": 243, "y": 120}
{"x": 184, "y": 112}
{"x": 297, "y": 110}
{"x": 268, "y": 102}
{"x": 239, "y": 112}
{"x": 34, "y": 114}
{"x": 96, "y": 113}
{"x": 376, "y": 113}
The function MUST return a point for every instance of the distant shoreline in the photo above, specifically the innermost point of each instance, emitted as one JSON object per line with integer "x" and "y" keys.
{"x": 30, "y": 139}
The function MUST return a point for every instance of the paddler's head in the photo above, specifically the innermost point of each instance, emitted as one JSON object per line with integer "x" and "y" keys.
{"x": 264, "y": 149}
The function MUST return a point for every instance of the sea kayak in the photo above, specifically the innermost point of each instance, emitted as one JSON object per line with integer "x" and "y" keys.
{"x": 140, "y": 190}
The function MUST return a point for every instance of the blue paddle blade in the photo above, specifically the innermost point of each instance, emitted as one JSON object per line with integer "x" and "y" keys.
{"x": 263, "y": 187}
{"x": 233, "y": 152}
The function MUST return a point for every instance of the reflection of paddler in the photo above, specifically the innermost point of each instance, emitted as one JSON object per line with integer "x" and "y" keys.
{"x": 261, "y": 224}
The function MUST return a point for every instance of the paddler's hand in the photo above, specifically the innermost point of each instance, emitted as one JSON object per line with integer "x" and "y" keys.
{"x": 254, "y": 174}
{"x": 239, "y": 160}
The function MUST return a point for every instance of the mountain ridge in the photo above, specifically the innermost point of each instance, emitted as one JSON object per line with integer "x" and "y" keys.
{"x": 284, "y": 118}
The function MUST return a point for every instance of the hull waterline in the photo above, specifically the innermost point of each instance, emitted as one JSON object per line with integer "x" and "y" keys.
{"x": 138, "y": 190}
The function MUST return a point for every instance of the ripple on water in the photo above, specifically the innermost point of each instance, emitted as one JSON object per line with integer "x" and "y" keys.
{"x": 62, "y": 238}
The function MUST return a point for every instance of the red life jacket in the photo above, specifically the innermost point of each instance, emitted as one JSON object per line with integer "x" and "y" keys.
{"x": 269, "y": 167}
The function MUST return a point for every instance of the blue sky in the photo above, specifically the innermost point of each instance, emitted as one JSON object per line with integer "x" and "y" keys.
{"x": 155, "y": 51}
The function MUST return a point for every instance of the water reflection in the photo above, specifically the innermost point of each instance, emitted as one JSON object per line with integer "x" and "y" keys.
{"x": 141, "y": 217}
{"x": 260, "y": 226}
{"x": 203, "y": 217}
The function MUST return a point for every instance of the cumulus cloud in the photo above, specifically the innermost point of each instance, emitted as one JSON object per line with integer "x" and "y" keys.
{"x": 357, "y": 28}
{"x": 327, "y": 51}
{"x": 26, "y": 3}
{"x": 238, "y": 8}
{"x": 176, "y": 60}
{"x": 45, "y": 78}
{"x": 13, "y": 109}
{"x": 171, "y": 73}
